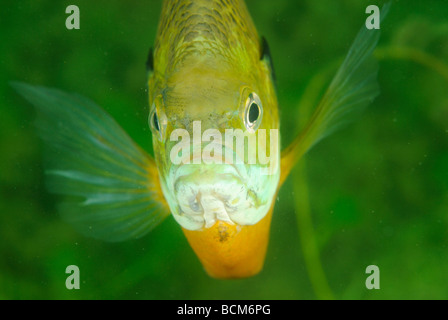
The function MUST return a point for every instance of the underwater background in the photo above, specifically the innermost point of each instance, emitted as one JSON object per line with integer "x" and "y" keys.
{"x": 374, "y": 193}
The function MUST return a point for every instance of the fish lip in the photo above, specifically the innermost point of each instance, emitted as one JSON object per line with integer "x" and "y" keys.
{"x": 206, "y": 166}
{"x": 178, "y": 173}
{"x": 238, "y": 166}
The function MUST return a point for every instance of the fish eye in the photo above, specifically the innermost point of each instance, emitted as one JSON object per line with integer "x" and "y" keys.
{"x": 253, "y": 112}
{"x": 155, "y": 121}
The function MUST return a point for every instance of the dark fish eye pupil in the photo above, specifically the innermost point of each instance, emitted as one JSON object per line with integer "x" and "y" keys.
{"x": 254, "y": 112}
{"x": 155, "y": 121}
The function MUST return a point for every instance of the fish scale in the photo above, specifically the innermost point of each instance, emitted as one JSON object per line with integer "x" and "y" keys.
{"x": 220, "y": 29}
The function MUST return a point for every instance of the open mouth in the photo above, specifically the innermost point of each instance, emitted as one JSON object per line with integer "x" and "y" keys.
{"x": 208, "y": 193}
{"x": 203, "y": 192}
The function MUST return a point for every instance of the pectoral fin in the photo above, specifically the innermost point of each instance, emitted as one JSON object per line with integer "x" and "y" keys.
{"x": 351, "y": 90}
{"x": 111, "y": 185}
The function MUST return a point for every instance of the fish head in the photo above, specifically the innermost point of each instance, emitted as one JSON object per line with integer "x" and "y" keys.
{"x": 216, "y": 144}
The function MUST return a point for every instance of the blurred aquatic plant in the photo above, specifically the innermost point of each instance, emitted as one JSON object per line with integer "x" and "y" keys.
{"x": 302, "y": 206}
{"x": 415, "y": 55}
{"x": 400, "y": 50}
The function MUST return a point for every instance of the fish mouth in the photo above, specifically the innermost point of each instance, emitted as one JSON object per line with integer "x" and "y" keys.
{"x": 222, "y": 155}
{"x": 210, "y": 187}
{"x": 208, "y": 193}
{"x": 202, "y": 191}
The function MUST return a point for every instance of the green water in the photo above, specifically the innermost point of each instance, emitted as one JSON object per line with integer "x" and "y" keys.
{"x": 375, "y": 193}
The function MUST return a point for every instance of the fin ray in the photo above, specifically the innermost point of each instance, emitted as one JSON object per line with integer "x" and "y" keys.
{"x": 353, "y": 87}
{"x": 111, "y": 186}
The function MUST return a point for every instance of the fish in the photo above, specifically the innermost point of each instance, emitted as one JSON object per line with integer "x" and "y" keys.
{"x": 210, "y": 77}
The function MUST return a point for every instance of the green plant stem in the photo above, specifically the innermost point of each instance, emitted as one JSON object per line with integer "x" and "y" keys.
{"x": 305, "y": 228}
{"x": 307, "y": 235}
